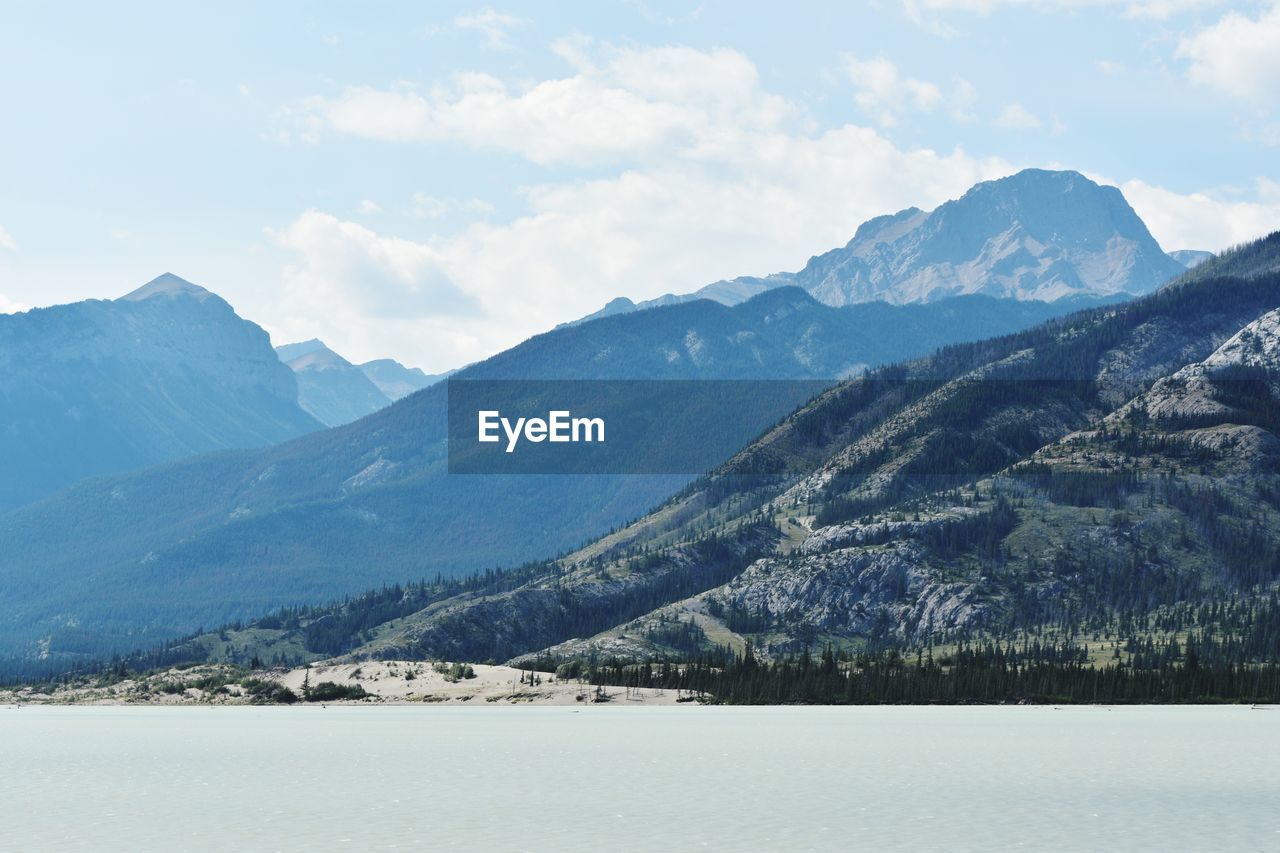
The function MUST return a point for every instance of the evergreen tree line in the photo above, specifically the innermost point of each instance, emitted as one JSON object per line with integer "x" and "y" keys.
{"x": 986, "y": 674}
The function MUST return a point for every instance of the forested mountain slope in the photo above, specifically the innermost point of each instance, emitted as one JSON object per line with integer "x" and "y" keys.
{"x": 232, "y": 535}
{"x": 1101, "y": 474}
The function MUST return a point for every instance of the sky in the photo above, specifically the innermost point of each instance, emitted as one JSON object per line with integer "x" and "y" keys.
{"x": 437, "y": 182}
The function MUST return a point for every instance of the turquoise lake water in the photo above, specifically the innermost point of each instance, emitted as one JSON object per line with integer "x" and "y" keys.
{"x": 677, "y": 778}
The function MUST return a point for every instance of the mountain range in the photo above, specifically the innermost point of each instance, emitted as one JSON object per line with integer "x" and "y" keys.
{"x": 396, "y": 381}
{"x": 233, "y": 534}
{"x": 1104, "y": 483}
{"x": 335, "y": 392}
{"x": 1038, "y": 234}
{"x": 102, "y": 386}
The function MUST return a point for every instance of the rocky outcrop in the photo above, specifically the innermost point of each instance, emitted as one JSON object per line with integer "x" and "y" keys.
{"x": 853, "y": 591}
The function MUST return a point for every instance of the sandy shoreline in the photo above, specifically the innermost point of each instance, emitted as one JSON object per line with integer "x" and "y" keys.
{"x": 386, "y": 682}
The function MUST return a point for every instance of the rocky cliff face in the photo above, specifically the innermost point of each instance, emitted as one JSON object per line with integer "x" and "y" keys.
{"x": 852, "y": 592}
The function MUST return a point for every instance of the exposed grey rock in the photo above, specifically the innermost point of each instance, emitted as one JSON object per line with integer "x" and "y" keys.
{"x": 849, "y": 591}
{"x": 1192, "y": 393}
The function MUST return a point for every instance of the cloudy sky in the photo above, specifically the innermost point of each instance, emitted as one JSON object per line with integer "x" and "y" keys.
{"x": 435, "y": 182}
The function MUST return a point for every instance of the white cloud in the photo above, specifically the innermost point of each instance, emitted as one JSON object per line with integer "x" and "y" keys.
{"x": 1109, "y": 66}
{"x": 930, "y": 14}
{"x": 883, "y": 91}
{"x": 492, "y": 24}
{"x": 9, "y": 306}
{"x": 1163, "y": 10}
{"x": 1018, "y": 117}
{"x": 347, "y": 269}
{"x": 1205, "y": 220}
{"x": 709, "y": 176}
{"x": 715, "y": 178}
{"x": 369, "y": 206}
{"x": 629, "y": 105}
{"x": 1238, "y": 55}
{"x": 1154, "y": 9}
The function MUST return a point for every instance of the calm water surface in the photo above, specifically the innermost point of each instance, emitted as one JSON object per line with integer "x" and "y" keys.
{"x": 381, "y": 778}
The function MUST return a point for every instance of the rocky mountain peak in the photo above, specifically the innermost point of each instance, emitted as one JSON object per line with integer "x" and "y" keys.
{"x": 288, "y": 352}
{"x": 168, "y": 286}
{"x": 1038, "y": 234}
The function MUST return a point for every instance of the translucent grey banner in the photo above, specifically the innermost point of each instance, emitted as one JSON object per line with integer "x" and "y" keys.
{"x": 611, "y": 426}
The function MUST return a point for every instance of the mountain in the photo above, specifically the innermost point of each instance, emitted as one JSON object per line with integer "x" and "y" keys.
{"x": 395, "y": 380}
{"x": 1248, "y": 261}
{"x": 1190, "y": 257}
{"x": 1038, "y": 234}
{"x": 1034, "y": 235}
{"x": 232, "y": 535}
{"x": 726, "y": 292}
{"x": 336, "y": 392}
{"x": 102, "y": 386}
{"x": 331, "y": 389}
{"x": 288, "y": 352}
{"x": 783, "y": 333}
{"x": 1105, "y": 486}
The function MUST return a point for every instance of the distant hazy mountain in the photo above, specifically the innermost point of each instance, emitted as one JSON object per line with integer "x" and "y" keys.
{"x": 333, "y": 390}
{"x": 395, "y": 380}
{"x": 337, "y": 392}
{"x": 1190, "y": 257}
{"x": 783, "y": 333}
{"x": 102, "y": 386}
{"x": 231, "y": 535}
{"x": 1038, "y": 234}
{"x": 288, "y": 352}
{"x": 726, "y": 292}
